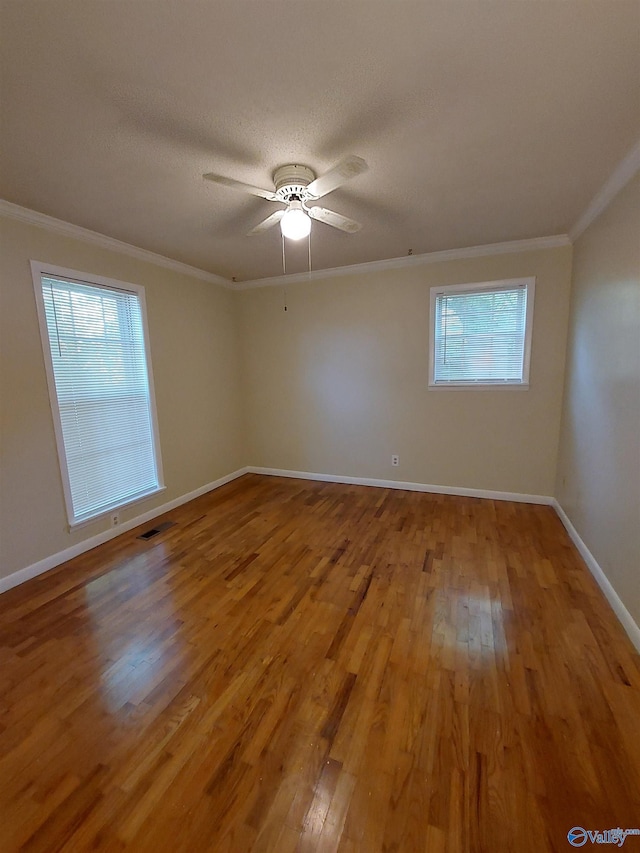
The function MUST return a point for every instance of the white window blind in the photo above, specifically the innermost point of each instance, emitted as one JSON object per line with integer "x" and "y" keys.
{"x": 99, "y": 365}
{"x": 481, "y": 334}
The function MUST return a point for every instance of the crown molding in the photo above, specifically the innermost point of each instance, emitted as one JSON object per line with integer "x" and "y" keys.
{"x": 67, "y": 229}
{"x": 513, "y": 246}
{"x": 619, "y": 178}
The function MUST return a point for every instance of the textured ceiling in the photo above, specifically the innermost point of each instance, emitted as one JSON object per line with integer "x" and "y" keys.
{"x": 480, "y": 121}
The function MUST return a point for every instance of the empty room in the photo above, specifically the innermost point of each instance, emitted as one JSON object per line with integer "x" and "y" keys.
{"x": 320, "y": 426}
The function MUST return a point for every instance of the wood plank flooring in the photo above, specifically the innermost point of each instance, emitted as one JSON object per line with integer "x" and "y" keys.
{"x": 303, "y": 666}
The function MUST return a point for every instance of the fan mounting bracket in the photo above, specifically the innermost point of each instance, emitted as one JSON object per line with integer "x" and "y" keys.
{"x": 291, "y": 182}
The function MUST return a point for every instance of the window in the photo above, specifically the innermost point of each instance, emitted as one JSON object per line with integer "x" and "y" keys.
{"x": 101, "y": 390}
{"x": 481, "y": 333}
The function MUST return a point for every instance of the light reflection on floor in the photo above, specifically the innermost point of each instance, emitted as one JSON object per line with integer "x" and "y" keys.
{"x": 135, "y": 660}
{"x": 473, "y": 622}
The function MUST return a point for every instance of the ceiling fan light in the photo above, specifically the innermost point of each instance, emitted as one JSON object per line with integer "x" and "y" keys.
{"x": 295, "y": 224}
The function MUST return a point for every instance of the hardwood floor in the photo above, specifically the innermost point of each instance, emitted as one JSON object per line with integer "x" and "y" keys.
{"x": 302, "y": 666}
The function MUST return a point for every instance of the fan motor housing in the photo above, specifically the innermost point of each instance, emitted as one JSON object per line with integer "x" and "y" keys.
{"x": 291, "y": 181}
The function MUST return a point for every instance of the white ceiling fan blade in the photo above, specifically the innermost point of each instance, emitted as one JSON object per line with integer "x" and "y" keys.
{"x": 334, "y": 178}
{"x": 267, "y": 223}
{"x": 238, "y": 185}
{"x": 336, "y": 220}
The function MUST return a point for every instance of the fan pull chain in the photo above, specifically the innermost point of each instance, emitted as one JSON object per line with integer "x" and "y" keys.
{"x": 284, "y": 261}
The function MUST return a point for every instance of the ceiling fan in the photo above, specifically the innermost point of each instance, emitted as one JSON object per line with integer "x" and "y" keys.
{"x": 295, "y": 186}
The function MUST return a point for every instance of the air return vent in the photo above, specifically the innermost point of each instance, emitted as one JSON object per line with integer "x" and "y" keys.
{"x": 149, "y": 534}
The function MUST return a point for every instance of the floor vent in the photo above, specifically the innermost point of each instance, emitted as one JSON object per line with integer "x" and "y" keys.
{"x": 149, "y": 534}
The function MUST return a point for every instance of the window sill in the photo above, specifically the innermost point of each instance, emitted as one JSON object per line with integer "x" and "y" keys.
{"x": 479, "y": 386}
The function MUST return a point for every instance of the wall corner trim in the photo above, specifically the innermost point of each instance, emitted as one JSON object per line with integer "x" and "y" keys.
{"x": 54, "y": 560}
{"x": 68, "y": 229}
{"x": 617, "y": 180}
{"x": 626, "y": 619}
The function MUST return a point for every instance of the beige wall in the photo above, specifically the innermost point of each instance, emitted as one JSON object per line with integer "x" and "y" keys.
{"x": 338, "y": 382}
{"x": 195, "y": 357}
{"x": 599, "y": 462}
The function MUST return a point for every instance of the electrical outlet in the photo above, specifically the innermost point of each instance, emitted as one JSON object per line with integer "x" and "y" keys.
{"x": 395, "y": 459}
{"x": 115, "y": 519}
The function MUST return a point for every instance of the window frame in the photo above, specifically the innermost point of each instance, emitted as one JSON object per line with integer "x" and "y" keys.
{"x": 40, "y": 269}
{"x": 529, "y": 283}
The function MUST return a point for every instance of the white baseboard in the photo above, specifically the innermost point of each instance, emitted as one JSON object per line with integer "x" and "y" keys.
{"x": 54, "y": 560}
{"x": 405, "y": 486}
{"x": 626, "y": 619}
{"x": 611, "y": 595}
